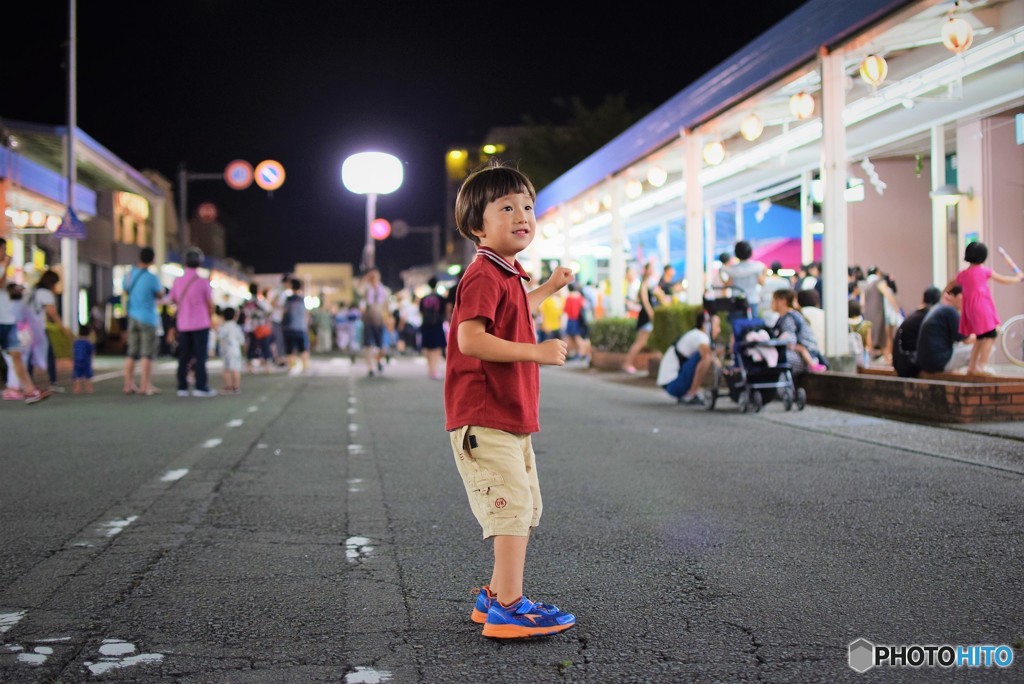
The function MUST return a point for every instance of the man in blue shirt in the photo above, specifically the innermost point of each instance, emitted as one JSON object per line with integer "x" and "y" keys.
{"x": 143, "y": 291}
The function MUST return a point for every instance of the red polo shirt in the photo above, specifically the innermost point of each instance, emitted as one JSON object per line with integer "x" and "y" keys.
{"x": 503, "y": 396}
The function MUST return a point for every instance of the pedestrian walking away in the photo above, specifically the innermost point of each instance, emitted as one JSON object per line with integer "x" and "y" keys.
{"x": 492, "y": 392}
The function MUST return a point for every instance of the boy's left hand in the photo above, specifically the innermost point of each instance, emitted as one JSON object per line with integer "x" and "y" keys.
{"x": 561, "y": 276}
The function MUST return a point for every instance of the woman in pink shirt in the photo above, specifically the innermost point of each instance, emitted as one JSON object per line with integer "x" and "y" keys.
{"x": 193, "y": 296}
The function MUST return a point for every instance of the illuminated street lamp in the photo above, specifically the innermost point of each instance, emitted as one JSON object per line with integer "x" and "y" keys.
{"x": 371, "y": 174}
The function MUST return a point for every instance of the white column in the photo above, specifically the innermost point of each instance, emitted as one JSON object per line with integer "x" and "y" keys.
{"x": 694, "y": 219}
{"x": 69, "y": 247}
{"x": 940, "y": 213}
{"x": 159, "y": 241}
{"x": 617, "y": 260}
{"x": 710, "y": 229}
{"x": 833, "y": 173}
{"x": 806, "y": 218}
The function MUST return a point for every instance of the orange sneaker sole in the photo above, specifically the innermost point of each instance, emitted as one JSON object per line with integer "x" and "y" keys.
{"x": 520, "y": 632}
{"x": 478, "y": 616}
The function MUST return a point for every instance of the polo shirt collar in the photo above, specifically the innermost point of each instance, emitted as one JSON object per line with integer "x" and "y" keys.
{"x": 515, "y": 269}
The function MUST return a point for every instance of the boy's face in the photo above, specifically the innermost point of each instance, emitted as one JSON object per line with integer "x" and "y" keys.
{"x": 509, "y": 225}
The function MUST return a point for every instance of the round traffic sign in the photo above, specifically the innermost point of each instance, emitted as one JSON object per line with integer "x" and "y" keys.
{"x": 269, "y": 175}
{"x": 207, "y": 212}
{"x": 238, "y": 174}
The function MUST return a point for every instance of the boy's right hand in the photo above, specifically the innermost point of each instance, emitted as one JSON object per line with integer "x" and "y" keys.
{"x": 551, "y": 352}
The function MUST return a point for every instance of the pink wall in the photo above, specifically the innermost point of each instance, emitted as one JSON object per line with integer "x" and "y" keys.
{"x": 893, "y": 230}
{"x": 1003, "y": 170}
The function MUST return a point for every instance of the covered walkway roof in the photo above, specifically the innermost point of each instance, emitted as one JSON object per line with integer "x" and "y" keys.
{"x": 793, "y": 41}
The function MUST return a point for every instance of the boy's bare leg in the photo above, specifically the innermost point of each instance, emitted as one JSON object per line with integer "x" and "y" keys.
{"x": 129, "y": 375}
{"x": 509, "y": 564}
{"x": 27, "y": 386}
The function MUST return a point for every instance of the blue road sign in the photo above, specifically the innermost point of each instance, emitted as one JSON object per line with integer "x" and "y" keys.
{"x": 71, "y": 227}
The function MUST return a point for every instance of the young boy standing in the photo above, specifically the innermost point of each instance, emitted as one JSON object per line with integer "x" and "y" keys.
{"x": 492, "y": 391}
{"x": 231, "y": 339}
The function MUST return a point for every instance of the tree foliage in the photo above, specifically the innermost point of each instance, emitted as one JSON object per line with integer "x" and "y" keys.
{"x": 548, "y": 150}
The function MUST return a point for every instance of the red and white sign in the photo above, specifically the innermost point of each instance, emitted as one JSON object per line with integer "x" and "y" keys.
{"x": 238, "y": 174}
{"x": 207, "y": 212}
{"x": 269, "y": 175}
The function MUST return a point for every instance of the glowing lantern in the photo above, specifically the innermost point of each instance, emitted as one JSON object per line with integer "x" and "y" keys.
{"x": 657, "y": 176}
{"x": 801, "y": 105}
{"x": 634, "y": 189}
{"x": 873, "y": 70}
{"x": 751, "y": 127}
{"x": 957, "y": 35}
{"x": 714, "y": 152}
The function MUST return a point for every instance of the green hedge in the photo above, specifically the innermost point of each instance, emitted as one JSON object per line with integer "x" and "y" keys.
{"x": 617, "y": 334}
{"x": 613, "y": 334}
{"x": 672, "y": 321}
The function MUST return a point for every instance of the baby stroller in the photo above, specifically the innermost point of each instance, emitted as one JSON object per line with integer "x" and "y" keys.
{"x": 759, "y": 371}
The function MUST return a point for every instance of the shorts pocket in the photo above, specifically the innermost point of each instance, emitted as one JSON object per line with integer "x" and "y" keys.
{"x": 485, "y": 480}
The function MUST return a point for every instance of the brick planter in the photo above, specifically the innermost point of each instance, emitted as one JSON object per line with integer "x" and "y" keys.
{"x": 603, "y": 360}
{"x": 938, "y": 401}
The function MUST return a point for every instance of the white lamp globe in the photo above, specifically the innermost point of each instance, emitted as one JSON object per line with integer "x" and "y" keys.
{"x": 372, "y": 173}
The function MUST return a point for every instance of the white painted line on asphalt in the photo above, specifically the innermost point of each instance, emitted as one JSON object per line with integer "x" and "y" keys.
{"x": 38, "y": 656}
{"x": 367, "y": 675}
{"x": 352, "y": 410}
{"x": 237, "y": 422}
{"x": 253, "y": 409}
{"x": 211, "y": 443}
{"x": 110, "y": 659}
{"x": 261, "y": 445}
{"x": 112, "y": 527}
{"x": 355, "y": 485}
{"x": 172, "y": 475}
{"x": 356, "y": 548}
{"x": 353, "y": 427}
{"x": 8, "y": 620}
{"x": 355, "y": 448}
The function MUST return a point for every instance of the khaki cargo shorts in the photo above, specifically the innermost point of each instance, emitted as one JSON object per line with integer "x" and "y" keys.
{"x": 499, "y": 471}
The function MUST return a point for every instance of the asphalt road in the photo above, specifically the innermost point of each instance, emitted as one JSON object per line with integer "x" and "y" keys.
{"x": 314, "y": 529}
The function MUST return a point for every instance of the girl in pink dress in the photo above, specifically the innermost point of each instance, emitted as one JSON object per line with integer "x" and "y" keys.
{"x": 978, "y": 316}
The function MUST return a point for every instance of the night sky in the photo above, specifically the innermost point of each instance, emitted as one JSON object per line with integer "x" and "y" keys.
{"x": 309, "y": 83}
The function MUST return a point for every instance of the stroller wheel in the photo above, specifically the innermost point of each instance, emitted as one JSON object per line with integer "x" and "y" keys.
{"x": 758, "y": 401}
{"x": 744, "y": 402}
{"x": 801, "y": 399}
{"x": 787, "y": 399}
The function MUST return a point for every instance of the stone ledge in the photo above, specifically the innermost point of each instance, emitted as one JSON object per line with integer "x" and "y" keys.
{"x": 976, "y": 399}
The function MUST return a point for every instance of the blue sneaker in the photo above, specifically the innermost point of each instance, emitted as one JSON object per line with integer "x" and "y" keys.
{"x": 524, "y": 619}
{"x": 483, "y": 604}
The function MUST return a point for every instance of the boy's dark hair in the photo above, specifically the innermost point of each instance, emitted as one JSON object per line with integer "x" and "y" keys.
{"x": 482, "y": 187}
{"x": 84, "y": 330}
{"x": 228, "y": 313}
{"x": 724, "y": 256}
{"x": 146, "y": 255}
{"x": 254, "y": 289}
{"x": 808, "y": 298}
{"x": 432, "y": 283}
{"x": 776, "y": 267}
{"x": 932, "y": 295}
{"x": 743, "y": 250}
{"x": 854, "y": 308}
{"x": 955, "y": 290}
{"x": 296, "y": 284}
{"x": 702, "y": 317}
{"x": 976, "y": 253}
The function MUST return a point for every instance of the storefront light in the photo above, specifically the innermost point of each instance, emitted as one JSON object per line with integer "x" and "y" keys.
{"x": 657, "y": 176}
{"x": 801, "y": 105}
{"x": 873, "y": 70}
{"x": 53, "y": 223}
{"x": 714, "y": 152}
{"x": 37, "y": 219}
{"x": 20, "y": 219}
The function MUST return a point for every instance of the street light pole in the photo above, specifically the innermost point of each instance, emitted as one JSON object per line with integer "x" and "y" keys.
{"x": 371, "y": 174}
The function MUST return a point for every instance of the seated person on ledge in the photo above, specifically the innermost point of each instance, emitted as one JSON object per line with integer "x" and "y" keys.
{"x": 940, "y": 348}
{"x": 685, "y": 364}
